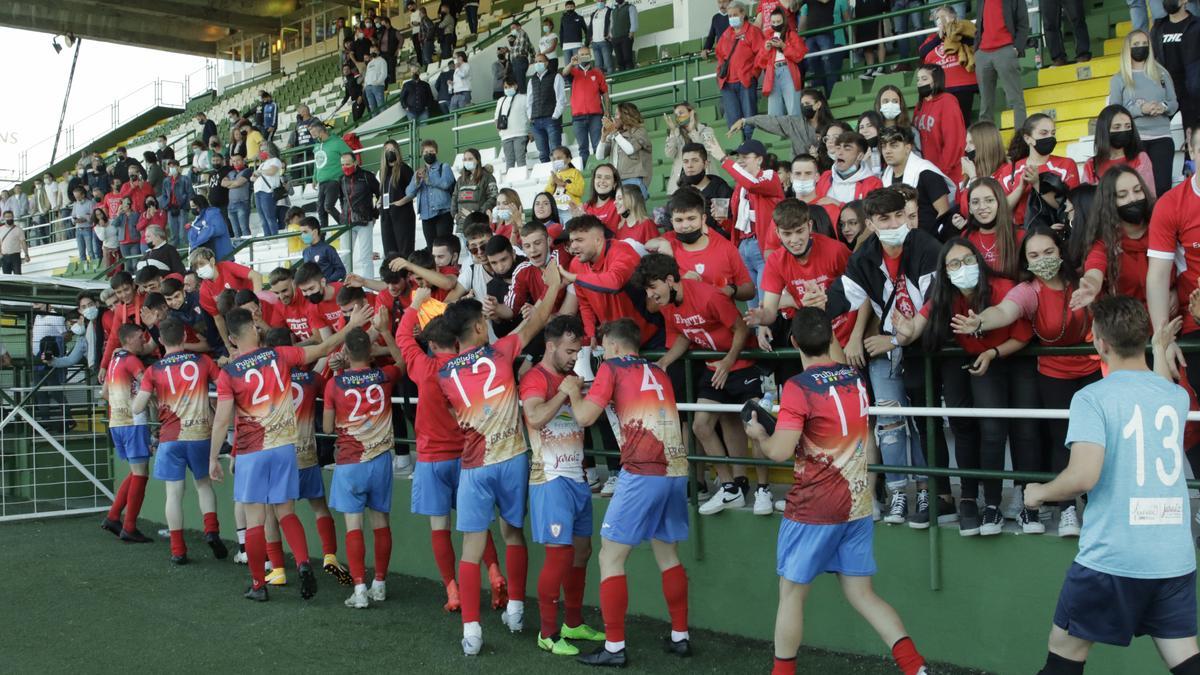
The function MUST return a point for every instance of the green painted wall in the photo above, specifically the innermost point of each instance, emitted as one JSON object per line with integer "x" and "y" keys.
{"x": 993, "y": 611}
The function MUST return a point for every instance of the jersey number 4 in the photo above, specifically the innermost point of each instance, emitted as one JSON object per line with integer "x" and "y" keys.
{"x": 1170, "y": 442}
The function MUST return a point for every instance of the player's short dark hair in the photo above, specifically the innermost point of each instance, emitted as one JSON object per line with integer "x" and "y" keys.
{"x": 279, "y": 274}
{"x": 584, "y": 223}
{"x": 385, "y": 270}
{"x": 438, "y": 333}
{"x": 422, "y": 258}
{"x": 311, "y": 223}
{"x": 563, "y": 324}
{"x": 358, "y": 344}
{"x": 1123, "y": 323}
{"x": 307, "y": 272}
{"x": 170, "y": 332}
{"x": 853, "y": 137}
{"x": 279, "y": 337}
{"x": 686, "y": 199}
{"x": 237, "y": 320}
{"x": 533, "y": 228}
{"x": 147, "y": 274}
{"x": 909, "y": 192}
{"x": 462, "y": 316}
{"x": 812, "y": 331}
{"x": 155, "y": 301}
{"x": 349, "y": 294}
{"x": 120, "y": 280}
{"x": 497, "y": 244}
{"x": 791, "y": 214}
{"x": 892, "y": 134}
{"x": 697, "y": 148}
{"x": 624, "y": 330}
{"x": 449, "y": 241}
{"x": 225, "y": 301}
{"x": 246, "y": 297}
{"x": 293, "y": 212}
{"x": 655, "y": 267}
{"x": 128, "y": 331}
{"x": 882, "y": 201}
{"x": 171, "y": 286}
{"x": 476, "y": 225}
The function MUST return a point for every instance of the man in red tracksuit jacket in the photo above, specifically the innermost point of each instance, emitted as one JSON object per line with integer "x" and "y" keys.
{"x": 737, "y": 68}
{"x": 751, "y": 208}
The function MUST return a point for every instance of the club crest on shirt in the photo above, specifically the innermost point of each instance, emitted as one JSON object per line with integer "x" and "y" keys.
{"x": 555, "y": 529}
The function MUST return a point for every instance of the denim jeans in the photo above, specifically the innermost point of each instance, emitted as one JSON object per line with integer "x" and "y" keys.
{"x": 175, "y": 222}
{"x": 737, "y": 101}
{"x": 829, "y": 64}
{"x": 265, "y": 203}
{"x": 418, "y": 118}
{"x": 131, "y": 250}
{"x": 374, "y": 93}
{"x": 239, "y": 219}
{"x": 907, "y": 23}
{"x": 1139, "y": 16}
{"x": 86, "y": 243}
{"x": 783, "y": 99}
{"x": 603, "y": 54}
{"x": 640, "y": 182}
{"x": 753, "y": 257}
{"x": 359, "y": 253}
{"x": 587, "y": 134}
{"x": 547, "y": 134}
{"x": 899, "y": 446}
{"x": 460, "y": 99}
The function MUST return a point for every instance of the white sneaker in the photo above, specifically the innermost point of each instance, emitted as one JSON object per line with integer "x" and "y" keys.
{"x": 241, "y": 558}
{"x": 610, "y": 486}
{"x": 762, "y": 502}
{"x": 725, "y": 498}
{"x": 164, "y": 533}
{"x": 378, "y": 591}
{"x": 358, "y": 599}
{"x": 1031, "y": 522}
{"x": 1016, "y": 504}
{"x": 898, "y": 511}
{"x": 471, "y": 644}
{"x": 876, "y": 511}
{"x": 781, "y": 505}
{"x": 402, "y": 465}
{"x": 514, "y": 619}
{"x": 1068, "y": 523}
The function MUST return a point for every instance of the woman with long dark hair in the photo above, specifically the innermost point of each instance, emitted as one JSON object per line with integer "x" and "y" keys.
{"x": 1048, "y": 279}
{"x": 475, "y": 189}
{"x": 870, "y": 123}
{"x": 939, "y": 123}
{"x": 1118, "y": 142}
{"x": 964, "y": 283}
{"x": 1031, "y": 153}
{"x": 889, "y": 103}
{"x": 545, "y": 213}
{"x": 989, "y": 227}
{"x": 1112, "y": 243}
{"x": 397, "y": 218}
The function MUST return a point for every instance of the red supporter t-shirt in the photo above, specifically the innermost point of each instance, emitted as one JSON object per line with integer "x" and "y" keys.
{"x": 1046, "y": 308}
{"x": 306, "y": 386}
{"x": 180, "y": 383}
{"x": 644, "y": 401}
{"x": 641, "y": 232}
{"x": 1131, "y": 279}
{"x": 956, "y": 75}
{"x": 826, "y": 261}
{"x": 705, "y": 317}
{"x": 329, "y": 309}
{"x": 606, "y": 212}
{"x": 718, "y": 263}
{"x": 988, "y": 247}
{"x": 362, "y": 405}
{"x": 995, "y": 31}
{"x": 302, "y": 318}
{"x": 394, "y": 305}
{"x": 1021, "y": 329}
{"x": 438, "y": 434}
{"x": 902, "y": 302}
{"x": 528, "y": 286}
{"x": 1175, "y": 236}
{"x": 482, "y": 390}
{"x": 259, "y": 384}
{"x": 828, "y": 403}
{"x": 1010, "y": 177}
{"x": 230, "y": 275}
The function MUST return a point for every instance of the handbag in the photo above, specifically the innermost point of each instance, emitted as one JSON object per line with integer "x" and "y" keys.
{"x": 723, "y": 68}
{"x": 502, "y": 118}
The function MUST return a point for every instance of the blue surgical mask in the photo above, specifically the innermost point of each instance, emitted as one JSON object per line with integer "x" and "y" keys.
{"x": 500, "y": 213}
{"x": 539, "y": 67}
{"x": 510, "y": 92}
{"x": 735, "y": 22}
{"x": 307, "y": 238}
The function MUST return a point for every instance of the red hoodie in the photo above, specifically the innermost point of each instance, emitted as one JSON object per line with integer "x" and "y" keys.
{"x": 742, "y": 68}
{"x": 939, "y": 121}
{"x": 600, "y": 287}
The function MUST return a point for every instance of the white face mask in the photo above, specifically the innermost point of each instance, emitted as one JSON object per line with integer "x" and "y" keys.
{"x": 501, "y": 213}
{"x": 469, "y": 165}
{"x": 735, "y": 21}
{"x": 965, "y": 277}
{"x": 77, "y": 328}
{"x": 206, "y": 272}
{"x": 90, "y": 313}
{"x": 804, "y": 187}
{"x": 890, "y": 110}
{"x": 894, "y": 236}
{"x": 558, "y": 165}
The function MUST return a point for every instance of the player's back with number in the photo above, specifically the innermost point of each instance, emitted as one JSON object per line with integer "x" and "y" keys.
{"x": 180, "y": 383}
{"x": 1138, "y": 513}
{"x": 482, "y": 389}
{"x": 644, "y": 400}
{"x": 362, "y": 404}
{"x": 259, "y": 384}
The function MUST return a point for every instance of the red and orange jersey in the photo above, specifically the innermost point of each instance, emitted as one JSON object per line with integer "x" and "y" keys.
{"x": 482, "y": 390}
{"x": 362, "y": 403}
{"x": 180, "y": 383}
{"x": 306, "y": 386}
{"x": 644, "y": 400}
{"x": 828, "y": 402}
{"x": 124, "y": 373}
{"x": 259, "y": 384}
{"x": 558, "y": 446}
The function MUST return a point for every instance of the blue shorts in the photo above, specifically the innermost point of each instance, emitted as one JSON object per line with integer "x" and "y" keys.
{"x": 266, "y": 477}
{"x": 174, "y": 457}
{"x": 435, "y": 487}
{"x": 362, "y": 485}
{"x": 1105, "y": 608}
{"x": 132, "y": 443}
{"x": 485, "y": 489}
{"x": 647, "y": 507}
{"x": 312, "y": 484}
{"x": 559, "y": 510}
{"x": 805, "y": 551}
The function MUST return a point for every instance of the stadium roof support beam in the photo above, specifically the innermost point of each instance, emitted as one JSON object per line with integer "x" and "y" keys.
{"x": 113, "y": 25}
{"x": 212, "y": 12}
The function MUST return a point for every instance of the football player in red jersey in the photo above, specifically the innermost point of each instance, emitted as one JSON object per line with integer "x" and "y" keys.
{"x": 481, "y": 386}
{"x": 650, "y": 502}
{"x": 252, "y": 389}
{"x": 130, "y": 433}
{"x": 827, "y": 524}
{"x": 180, "y": 382}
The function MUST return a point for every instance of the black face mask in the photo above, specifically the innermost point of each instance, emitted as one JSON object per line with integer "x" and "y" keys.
{"x": 689, "y": 237}
{"x": 8, "y": 221}
{"x": 685, "y": 179}
{"x": 1172, "y": 6}
{"x": 604, "y": 195}
{"x": 625, "y": 214}
{"x": 971, "y": 154}
{"x": 430, "y": 159}
{"x": 1120, "y": 139}
{"x": 1045, "y": 146}
{"x": 808, "y": 111}
{"x": 1141, "y": 53}
{"x": 873, "y": 142}
{"x": 391, "y": 157}
{"x": 315, "y": 298}
{"x": 924, "y": 90}
{"x": 807, "y": 248}
{"x": 1136, "y": 213}
{"x": 195, "y": 211}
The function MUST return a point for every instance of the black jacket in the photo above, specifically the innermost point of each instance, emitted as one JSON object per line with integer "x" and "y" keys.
{"x": 1185, "y": 75}
{"x": 416, "y": 96}
{"x": 716, "y": 29}
{"x": 572, "y": 28}
{"x": 866, "y": 278}
{"x": 1016, "y": 20}
{"x": 359, "y": 191}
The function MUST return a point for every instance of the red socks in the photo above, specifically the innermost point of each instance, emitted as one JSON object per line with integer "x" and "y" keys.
{"x": 573, "y": 595}
{"x": 443, "y": 553}
{"x": 784, "y": 666}
{"x": 614, "y": 601}
{"x": 178, "y": 548}
{"x": 328, "y": 534}
{"x": 516, "y": 561}
{"x": 489, "y": 552}
{"x": 210, "y": 523}
{"x": 118, "y": 504}
{"x": 468, "y": 584}
{"x": 383, "y": 552}
{"x": 256, "y": 552}
{"x": 675, "y": 590}
{"x": 293, "y": 531}
{"x": 275, "y": 553}
{"x": 907, "y": 657}
{"x": 356, "y": 555}
{"x": 554, "y": 573}
{"x": 133, "y": 503}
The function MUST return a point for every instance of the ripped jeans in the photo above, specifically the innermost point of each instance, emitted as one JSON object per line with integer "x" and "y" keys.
{"x": 898, "y": 437}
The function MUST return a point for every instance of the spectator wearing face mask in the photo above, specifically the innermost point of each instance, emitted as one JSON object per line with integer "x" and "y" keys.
{"x": 432, "y": 187}
{"x": 208, "y": 229}
{"x": 623, "y": 28}
{"x": 802, "y": 131}
{"x": 565, "y": 184}
{"x": 546, "y": 98}
{"x": 13, "y": 247}
{"x": 851, "y": 178}
{"x": 375, "y": 80}
{"x": 176, "y": 190}
{"x": 237, "y": 181}
{"x": 572, "y": 31}
{"x": 779, "y": 63}
{"x": 737, "y": 69}
{"x": 475, "y": 189}
{"x": 599, "y": 24}
{"x": 511, "y": 120}
{"x": 317, "y": 250}
{"x": 939, "y": 122}
{"x": 685, "y": 128}
{"x": 520, "y": 52}
{"x": 1031, "y": 154}
{"x": 1117, "y": 142}
{"x": 589, "y": 93}
{"x": 1147, "y": 91}
{"x": 416, "y": 97}
{"x": 120, "y": 168}
{"x": 445, "y": 31}
{"x": 137, "y": 189}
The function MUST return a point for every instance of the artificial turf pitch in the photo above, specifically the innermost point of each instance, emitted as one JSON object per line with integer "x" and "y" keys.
{"x": 76, "y": 599}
